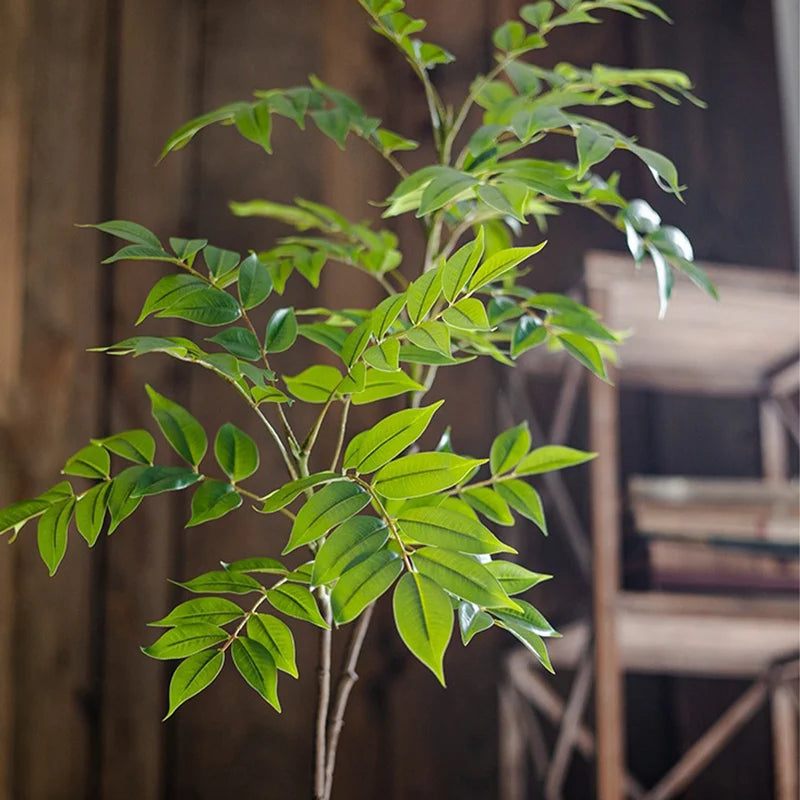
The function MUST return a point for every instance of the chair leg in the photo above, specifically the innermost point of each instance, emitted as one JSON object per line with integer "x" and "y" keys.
{"x": 511, "y": 746}
{"x": 784, "y": 742}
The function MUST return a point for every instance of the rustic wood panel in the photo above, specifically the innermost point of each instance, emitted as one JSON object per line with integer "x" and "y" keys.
{"x": 55, "y": 404}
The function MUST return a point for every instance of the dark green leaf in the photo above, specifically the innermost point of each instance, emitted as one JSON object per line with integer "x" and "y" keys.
{"x": 471, "y": 620}
{"x": 334, "y": 123}
{"x": 527, "y": 616}
{"x": 528, "y": 333}
{"x": 350, "y": 543}
{"x": 129, "y": 231}
{"x": 140, "y": 252}
{"x": 222, "y": 582}
{"x": 136, "y": 445}
{"x": 17, "y": 514}
{"x": 451, "y": 184}
{"x": 240, "y": 342}
{"x": 585, "y": 352}
{"x": 154, "y": 480}
{"x": 592, "y": 148}
{"x": 257, "y": 667}
{"x": 90, "y": 462}
{"x": 52, "y": 533}
{"x": 180, "y": 428}
{"x": 205, "y": 306}
{"x": 213, "y": 610}
{"x": 236, "y": 452}
{"x": 364, "y": 583}
{"x": 185, "y": 640}
{"x": 256, "y": 564}
{"x": 274, "y": 634}
{"x": 296, "y": 601}
{"x": 121, "y": 500}
{"x": 531, "y": 640}
{"x": 186, "y": 249}
{"x": 212, "y": 500}
{"x": 169, "y": 290}
{"x": 254, "y": 122}
{"x": 90, "y": 512}
{"x": 281, "y": 331}
{"x": 192, "y": 676}
{"x": 255, "y": 282}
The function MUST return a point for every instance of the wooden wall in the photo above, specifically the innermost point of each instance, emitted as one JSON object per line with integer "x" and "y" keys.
{"x": 88, "y": 92}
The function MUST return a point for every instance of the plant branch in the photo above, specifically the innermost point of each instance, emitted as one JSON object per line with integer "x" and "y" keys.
{"x": 342, "y": 431}
{"x": 345, "y": 685}
{"x": 324, "y": 698}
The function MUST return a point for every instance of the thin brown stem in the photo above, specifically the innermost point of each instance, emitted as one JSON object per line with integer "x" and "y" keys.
{"x": 345, "y": 685}
{"x": 342, "y": 431}
{"x": 324, "y": 698}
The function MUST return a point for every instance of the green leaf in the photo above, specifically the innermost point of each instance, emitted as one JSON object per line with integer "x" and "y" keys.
{"x": 90, "y": 512}
{"x": 532, "y": 641}
{"x": 180, "y": 428}
{"x": 241, "y": 342}
{"x": 129, "y": 231}
{"x": 527, "y": 616}
{"x": 213, "y": 610}
{"x": 169, "y": 290}
{"x": 380, "y": 385}
{"x": 186, "y": 132}
{"x": 422, "y": 473}
{"x": 355, "y": 344}
{"x": 424, "y": 619}
{"x": 458, "y": 269}
{"x": 257, "y": 564}
{"x": 528, "y": 333}
{"x": 330, "y": 506}
{"x": 185, "y": 640}
{"x": 52, "y": 533}
{"x": 450, "y": 185}
{"x": 330, "y": 336}
{"x": 364, "y": 583}
{"x": 585, "y": 352}
{"x": 430, "y": 336}
{"x": 187, "y": 249}
{"x": 515, "y": 578}
{"x": 696, "y": 275}
{"x": 236, "y": 452}
{"x": 222, "y": 581}
{"x": 17, "y": 514}
{"x": 90, "y": 462}
{"x": 296, "y": 601}
{"x": 471, "y": 620}
{"x": 212, "y": 500}
{"x": 121, "y": 500}
{"x": 220, "y": 262}
{"x": 500, "y": 263}
{"x": 257, "y": 667}
{"x": 281, "y": 497}
{"x": 205, "y": 306}
{"x": 550, "y": 458}
{"x": 385, "y": 313}
{"x": 592, "y": 148}
{"x": 441, "y": 527}
{"x": 334, "y": 123}
{"x": 136, "y": 445}
{"x": 416, "y": 355}
{"x": 509, "y": 448}
{"x": 487, "y": 502}
{"x": 154, "y": 480}
{"x": 371, "y": 449}
{"x": 140, "y": 252}
{"x": 422, "y": 294}
{"x": 662, "y": 169}
{"x": 467, "y": 314}
{"x": 274, "y": 635}
{"x": 255, "y": 282}
{"x": 315, "y": 384}
{"x": 281, "y": 331}
{"x": 524, "y": 499}
{"x": 192, "y": 676}
{"x": 462, "y": 576}
{"x": 254, "y": 122}
{"x": 384, "y": 356}
{"x": 348, "y": 544}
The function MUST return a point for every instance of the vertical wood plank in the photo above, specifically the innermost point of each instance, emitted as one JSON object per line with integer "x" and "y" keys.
{"x": 784, "y": 742}
{"x": 155, "y": 94}
{"x": 55, "y": 404}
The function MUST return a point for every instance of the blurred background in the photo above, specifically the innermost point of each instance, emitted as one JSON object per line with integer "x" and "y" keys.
{"x": 89, "y": 91}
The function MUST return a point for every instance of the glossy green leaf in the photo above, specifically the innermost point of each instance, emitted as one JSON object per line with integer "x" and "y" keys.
{"x": 515, "y": 578}
{"x": 129, "y": 231}
{"x": 281, "y": 497}
{"x": 180, "y": 428}
{"x": 140, "y": 252}
{"x": 385, "y": 313}
{"x": 168, "y": 290}
{"x": 441, "y": 527}
{"x": 212, "y": 500}
{"x": 500, "y": 263}
{"x": 256, "y": 564}
{"x": 212, "y": 610}
{"x": 424, "y": 619}
{"x": 330, "y": 506}
{"x": 527, "y": 616}
{"x": 472, "y": 620}
{"x": 430, "y": 336}
{"x": 192, "y": 676}
{"x": 135, "y": 445}
{"x": 462, "y": 576}
{"x": 528, "y": 333}
{"x": 90, "y": 512}
{"x": 281, "y": 331}
{"x": 274, "y": 635}
{"x": 236, "y": 452}
{"x": 52, "y": 533}
{"x": 90, "y": 462}
{"x": 585, "y": 352}
{"x": 487, "y": 502}
{"x": 334, "y": 123}
{"x": 185, "y": 640}
{"x": 254, "y": 283}
{"x": 222, "y": 581}
{"x": 296, "y": 601}
{"x": 16, "y": 515}
{"x": 187, "y": 249}
{"x": 662, "y": 169}
{"x": 364, "y": 583}
{"x": 509, "y": 448}
{"x": 422, "y": 294}
{"x": 550, "y": 458}
{"x": 205, "y": 306}
{"x": 381, "y": 385}
{"x": 459, "y": 268}
{"x": 315, "y": 384}
{"x": 356, "y": 343}
{"x": 257, "y": 667}
{"x": 241, "y": 342}
{"x": 530, "y": 640}
{"x": 467, "y": 314}
{"x": 121, "y": 500}
{"x": 371, "y": 449}
{"x": 422, "y": 473}
{"x": 154, "y": 480}
{"x": 348, "y": 544}
{"x": 448, "y": 186}
{"x": 592, "y": 148}
{"x": 384, "y": 356}
{"x": 524, "y": 499}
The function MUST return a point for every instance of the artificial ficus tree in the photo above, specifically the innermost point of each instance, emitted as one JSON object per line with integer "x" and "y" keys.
{"x": 377, "y": 516}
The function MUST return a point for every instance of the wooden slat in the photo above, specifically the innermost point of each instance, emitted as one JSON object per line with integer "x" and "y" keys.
{"x": 784, "y": 742}
{"x": 156, "y": 72}
{"x": 55, "y": 403}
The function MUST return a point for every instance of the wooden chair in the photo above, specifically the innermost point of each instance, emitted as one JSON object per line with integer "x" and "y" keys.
{"x": 747, "y": 345}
